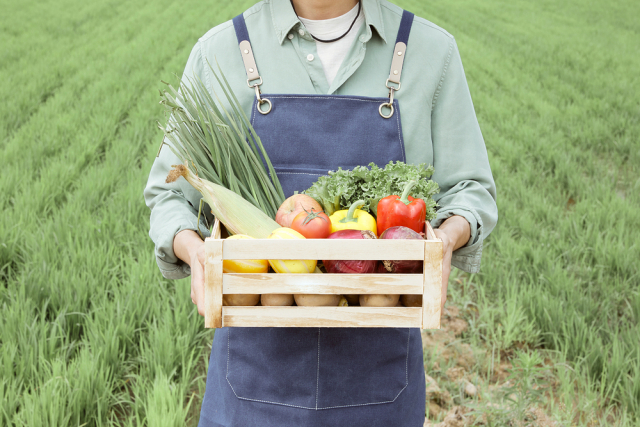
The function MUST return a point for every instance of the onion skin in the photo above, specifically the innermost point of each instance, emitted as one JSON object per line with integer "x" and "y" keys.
{"x": 352, "y": 234}
{"x": 351, "y": 266}
{"x": 400, "y": 232}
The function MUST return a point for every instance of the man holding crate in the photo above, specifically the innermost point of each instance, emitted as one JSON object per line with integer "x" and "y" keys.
{"x": 332, "y": 73}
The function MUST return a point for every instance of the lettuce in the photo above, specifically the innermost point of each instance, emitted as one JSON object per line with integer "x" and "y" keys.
{"x": 341, "y": 188}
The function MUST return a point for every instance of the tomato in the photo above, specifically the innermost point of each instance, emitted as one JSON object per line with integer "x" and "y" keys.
{"x": 312, "y": 225}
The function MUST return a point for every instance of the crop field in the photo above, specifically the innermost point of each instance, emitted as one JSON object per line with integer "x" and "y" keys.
{"x": 92, "y": 335}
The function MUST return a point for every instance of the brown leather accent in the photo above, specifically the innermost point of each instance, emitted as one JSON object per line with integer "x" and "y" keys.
{"x": 396, "y": 62}
{"x": 249, "y": 60}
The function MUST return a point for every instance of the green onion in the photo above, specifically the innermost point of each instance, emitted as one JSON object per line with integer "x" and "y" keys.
{"x": 221, "y": 146}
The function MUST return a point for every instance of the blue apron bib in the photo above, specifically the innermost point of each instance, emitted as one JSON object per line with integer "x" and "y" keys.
{"x": 318, "y": 376}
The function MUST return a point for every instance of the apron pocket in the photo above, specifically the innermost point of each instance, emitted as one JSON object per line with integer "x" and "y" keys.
{"x": 297, "y": 178}
{"x": 274, "y": 365}
{"x": 361, "y": 366}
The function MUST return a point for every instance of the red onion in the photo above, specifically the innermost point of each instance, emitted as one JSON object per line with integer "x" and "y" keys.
{"x": 353, "y": 266}
{"x": 400, "y": 232}
{"x": 380, "y": 268}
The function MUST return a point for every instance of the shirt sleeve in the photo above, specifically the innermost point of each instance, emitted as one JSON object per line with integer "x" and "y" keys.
{"x": 461, "y": 163}
{"x": 174, "y": 206}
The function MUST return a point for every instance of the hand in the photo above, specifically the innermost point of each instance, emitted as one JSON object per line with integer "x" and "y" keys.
{"x": 455, "y": 232}
{"x": 197, "y": 279}
{"x": 189, "y": 247}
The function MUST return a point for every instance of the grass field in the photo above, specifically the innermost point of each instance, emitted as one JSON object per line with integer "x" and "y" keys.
{"x": 91, "y": 334}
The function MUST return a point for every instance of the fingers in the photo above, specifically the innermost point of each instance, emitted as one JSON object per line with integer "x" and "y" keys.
{"x": 446, "y": 271}
{"x": 201, "y": 256}
{"x": 197, "y": 286}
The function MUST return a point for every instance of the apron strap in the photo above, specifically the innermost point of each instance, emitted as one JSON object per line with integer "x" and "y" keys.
{"x": 253, "y": 77}
{"x": 399, "y": 52}
{"x": 400, "y": 49}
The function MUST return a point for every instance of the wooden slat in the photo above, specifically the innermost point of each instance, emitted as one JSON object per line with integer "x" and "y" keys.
{"x": 428, "y": 231}
{"x": 215, "y": 231}
{"x": 334, "y": 317}
{"x": 432, "y": 286}
{"x": 324, "y": 249}
{"x": 213, "y": 283}
{"x": 273, "y": 283}
{"x": 429, "y": 283}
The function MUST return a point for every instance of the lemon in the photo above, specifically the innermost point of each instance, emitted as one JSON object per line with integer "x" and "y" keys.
{"x": 290, "y": 266}
{"x": 245, "y": 265}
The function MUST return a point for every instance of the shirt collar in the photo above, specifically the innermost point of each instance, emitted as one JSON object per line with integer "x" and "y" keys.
{"x": 284, "y": 18}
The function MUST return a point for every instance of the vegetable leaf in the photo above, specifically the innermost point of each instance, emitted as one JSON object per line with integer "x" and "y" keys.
{"x": 341, "y": 188}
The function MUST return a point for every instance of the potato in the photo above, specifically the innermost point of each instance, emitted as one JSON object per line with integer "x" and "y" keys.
{"x": 240, "y": 299}
{"x": 277, "y": 299}
{"x": 317, "y": 300}
{"x": 411, "y": 300}
{"x": 379, "y": 300}
{"x": 353, "y": 299}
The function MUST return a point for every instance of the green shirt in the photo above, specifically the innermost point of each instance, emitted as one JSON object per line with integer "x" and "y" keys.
{"x": 439, "y": 124}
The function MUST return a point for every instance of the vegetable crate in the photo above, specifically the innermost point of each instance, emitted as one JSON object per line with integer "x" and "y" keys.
{"x": 428, "y": 284}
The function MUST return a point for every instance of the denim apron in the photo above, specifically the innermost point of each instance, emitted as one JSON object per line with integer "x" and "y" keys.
{"x": 319, "y": 376}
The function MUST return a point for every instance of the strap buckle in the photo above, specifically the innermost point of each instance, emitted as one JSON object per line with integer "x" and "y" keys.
{"x": 255, "y": 84}
{"x": 390, "y": 103}
{"x": 391, "y": 87}
{"x": 261, "y": 101}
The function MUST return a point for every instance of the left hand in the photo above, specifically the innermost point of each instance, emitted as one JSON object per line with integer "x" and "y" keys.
{"x": 447, "y": 251}
{"x": 455, "y": 232}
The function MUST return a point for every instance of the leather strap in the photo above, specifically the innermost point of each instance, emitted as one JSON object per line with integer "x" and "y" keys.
{"x": 245, "y": 48}
{"x": 249, "y": 61}
{"x": 400, "y": 48}
{"x": 396, "y": 63}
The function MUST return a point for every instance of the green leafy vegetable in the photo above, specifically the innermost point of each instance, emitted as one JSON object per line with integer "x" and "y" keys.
{"x": 341, "y": 188}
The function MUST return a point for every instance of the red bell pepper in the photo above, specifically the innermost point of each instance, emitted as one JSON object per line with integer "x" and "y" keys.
{"x": 405, "y": 211}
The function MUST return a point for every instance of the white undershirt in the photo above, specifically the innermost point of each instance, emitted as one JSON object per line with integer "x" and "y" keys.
{"x": 332, "y": 54}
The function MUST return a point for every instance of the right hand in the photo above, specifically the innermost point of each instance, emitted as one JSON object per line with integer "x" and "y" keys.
{"x": 189, "y": 247}
{"x": 197, "y": 278}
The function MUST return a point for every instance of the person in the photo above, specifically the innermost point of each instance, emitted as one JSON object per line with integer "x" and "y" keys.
{"x": 322, "y": 82}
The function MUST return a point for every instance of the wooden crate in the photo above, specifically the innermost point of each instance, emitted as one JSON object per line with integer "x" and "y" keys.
{"x": 429, "y": 283}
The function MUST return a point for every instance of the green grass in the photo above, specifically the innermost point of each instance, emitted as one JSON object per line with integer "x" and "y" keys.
{"x": 556, "y": 98}
{"x": 90, "y": 333}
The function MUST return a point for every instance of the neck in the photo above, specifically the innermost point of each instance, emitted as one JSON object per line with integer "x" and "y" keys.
{"x": 323, "y": 9}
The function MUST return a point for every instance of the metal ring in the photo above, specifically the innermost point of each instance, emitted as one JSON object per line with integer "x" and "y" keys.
{"x": 266, "y": 101}
{"x": 384, "y": 104}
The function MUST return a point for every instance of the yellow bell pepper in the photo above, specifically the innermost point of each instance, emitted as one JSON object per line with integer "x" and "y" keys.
{"x": 353, "y": 219}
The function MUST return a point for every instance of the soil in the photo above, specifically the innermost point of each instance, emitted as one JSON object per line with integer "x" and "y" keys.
{"x": 444, "y": 346}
